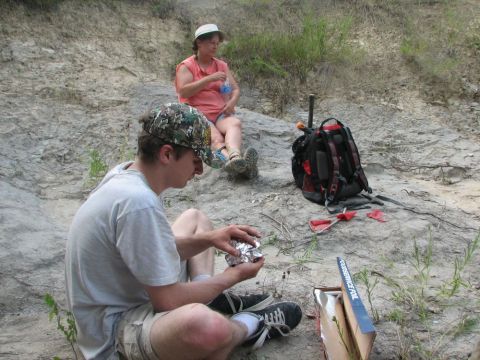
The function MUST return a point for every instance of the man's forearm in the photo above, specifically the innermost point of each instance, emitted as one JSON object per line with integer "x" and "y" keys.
{"x": 173, "y": 296}
{"x": 189, "y": 246}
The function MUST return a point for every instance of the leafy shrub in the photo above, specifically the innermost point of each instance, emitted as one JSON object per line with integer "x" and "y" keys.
{"x": 284, "y": 54}
{"x": 163, "y": 8}
{"x": 41, "y": 4}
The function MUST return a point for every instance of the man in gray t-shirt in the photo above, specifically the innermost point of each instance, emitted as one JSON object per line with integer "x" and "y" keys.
{"x": 136, "y": 284}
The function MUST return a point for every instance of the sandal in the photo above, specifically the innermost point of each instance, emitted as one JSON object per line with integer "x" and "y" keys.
{"x": 218, "y": 160}
{"x": 236, "y": 164}
{"x": 251, "y": 158}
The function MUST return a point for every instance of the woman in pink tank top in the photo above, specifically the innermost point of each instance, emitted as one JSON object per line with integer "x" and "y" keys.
{"x": 198, "y": 82}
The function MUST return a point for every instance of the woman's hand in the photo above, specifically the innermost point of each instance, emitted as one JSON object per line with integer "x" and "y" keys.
{"x": 229, "y": 108}
{"x": 219, "y": 75}
{"x": 221, "y": 238}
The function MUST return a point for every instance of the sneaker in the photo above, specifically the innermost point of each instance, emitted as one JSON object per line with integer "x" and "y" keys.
{"x": 251, "y": 158}
{"x": 274, "y": 321}
{"x": 230, "y": 303}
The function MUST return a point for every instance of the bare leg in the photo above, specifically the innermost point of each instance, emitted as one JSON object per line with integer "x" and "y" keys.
{"x": 195, "y": 332}
{"x": 218, "y": 140}
{"x": 231, "y": 127}
{"x": 190, "y": 222}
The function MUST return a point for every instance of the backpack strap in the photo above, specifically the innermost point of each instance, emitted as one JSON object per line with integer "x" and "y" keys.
{"x": 335, "y": 177}
{"x": 330, "y": 119}
{"x": 355, "y": 159}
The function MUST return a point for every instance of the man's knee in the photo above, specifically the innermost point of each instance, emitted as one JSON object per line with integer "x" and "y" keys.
{"x": 195, "y": 216}
{"x": 191, "y": 213}
{"x": 207, "y": 329}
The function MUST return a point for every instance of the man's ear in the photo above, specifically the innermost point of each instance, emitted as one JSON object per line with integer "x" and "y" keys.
{"x": 166, "y": 154}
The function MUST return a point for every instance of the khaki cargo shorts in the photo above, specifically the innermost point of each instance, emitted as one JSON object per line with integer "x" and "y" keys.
{"x": 133, "y": 333}
{"x": 132, "y": 340}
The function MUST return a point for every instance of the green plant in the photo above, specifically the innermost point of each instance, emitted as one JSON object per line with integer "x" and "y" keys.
{"x": 465, "y": 326}
{"x": 350, "y": 352}
{"x": 420, "y": 339}
{"x": 474, "y": 41}
{"x": 434, "y": 48}
{"x": 422, "y": 261}
{"x": 364, "y": 278}
{"x": 41, "y": 4}
{"x": 397, "y": 316}
{"x": 412, "y": 293}
{"x": 65, "y": 321}
{"x": 291, "y": 53}
{"x": 163, "y": 8}
{"x": 98, "y": 167}
{"x": 433, "y": 348}
{"x": 411, "y": 47}
{"x": 307, "y": 254}
{"x": 452, "y": 286}
{"x": 272, "y": 240}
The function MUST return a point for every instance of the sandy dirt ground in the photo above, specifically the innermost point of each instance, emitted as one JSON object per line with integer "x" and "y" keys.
{"x": 66, "y": 92}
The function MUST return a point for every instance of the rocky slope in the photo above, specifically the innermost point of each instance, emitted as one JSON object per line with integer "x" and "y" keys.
{"x": 75, "y": 80}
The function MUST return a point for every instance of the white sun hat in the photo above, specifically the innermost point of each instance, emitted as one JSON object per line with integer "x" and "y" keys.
{"x": 206, "y": 29}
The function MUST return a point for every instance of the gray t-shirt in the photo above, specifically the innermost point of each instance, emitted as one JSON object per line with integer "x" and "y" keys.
{"x": 119, "y": 241}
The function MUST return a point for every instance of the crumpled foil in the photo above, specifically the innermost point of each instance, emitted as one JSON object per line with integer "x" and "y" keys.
{"x": 248, "y": 253}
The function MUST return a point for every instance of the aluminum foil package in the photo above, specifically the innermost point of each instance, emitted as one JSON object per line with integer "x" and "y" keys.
{"x": 248, "y": 253}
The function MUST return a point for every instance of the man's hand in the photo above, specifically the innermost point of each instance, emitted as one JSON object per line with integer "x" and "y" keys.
{"x": 220, "y": 238}
{"x": 246, "y": 271}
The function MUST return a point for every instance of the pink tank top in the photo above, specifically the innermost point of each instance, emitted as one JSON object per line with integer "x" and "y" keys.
{"x": 208, "y": 100}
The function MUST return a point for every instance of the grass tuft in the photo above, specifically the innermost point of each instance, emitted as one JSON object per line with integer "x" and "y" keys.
{"x": 364, "y": 278}
{"x": 420, "y": 339}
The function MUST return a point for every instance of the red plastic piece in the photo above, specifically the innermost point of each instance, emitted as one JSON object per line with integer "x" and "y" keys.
{"x": 317, "y": 225}
{"x": 377, "y": 215}
{"x": 346, "y": 215}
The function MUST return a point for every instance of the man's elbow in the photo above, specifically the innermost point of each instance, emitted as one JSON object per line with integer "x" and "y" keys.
{"x": 163, "y": 300}
{"x": 164, "y": 305}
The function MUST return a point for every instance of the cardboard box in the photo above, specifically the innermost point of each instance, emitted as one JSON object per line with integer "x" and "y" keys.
{"x": 345, "y": 328}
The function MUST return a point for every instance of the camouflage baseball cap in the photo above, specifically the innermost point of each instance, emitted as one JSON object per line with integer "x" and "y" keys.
{"x": 182, "y": 125}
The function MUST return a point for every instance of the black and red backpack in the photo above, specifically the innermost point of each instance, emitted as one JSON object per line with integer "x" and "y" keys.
{"x": 326, "y": 163}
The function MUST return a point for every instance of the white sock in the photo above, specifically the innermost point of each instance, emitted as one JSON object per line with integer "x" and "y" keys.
{"x": 250, "y": 321}
{"x": 201, "y": 277}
